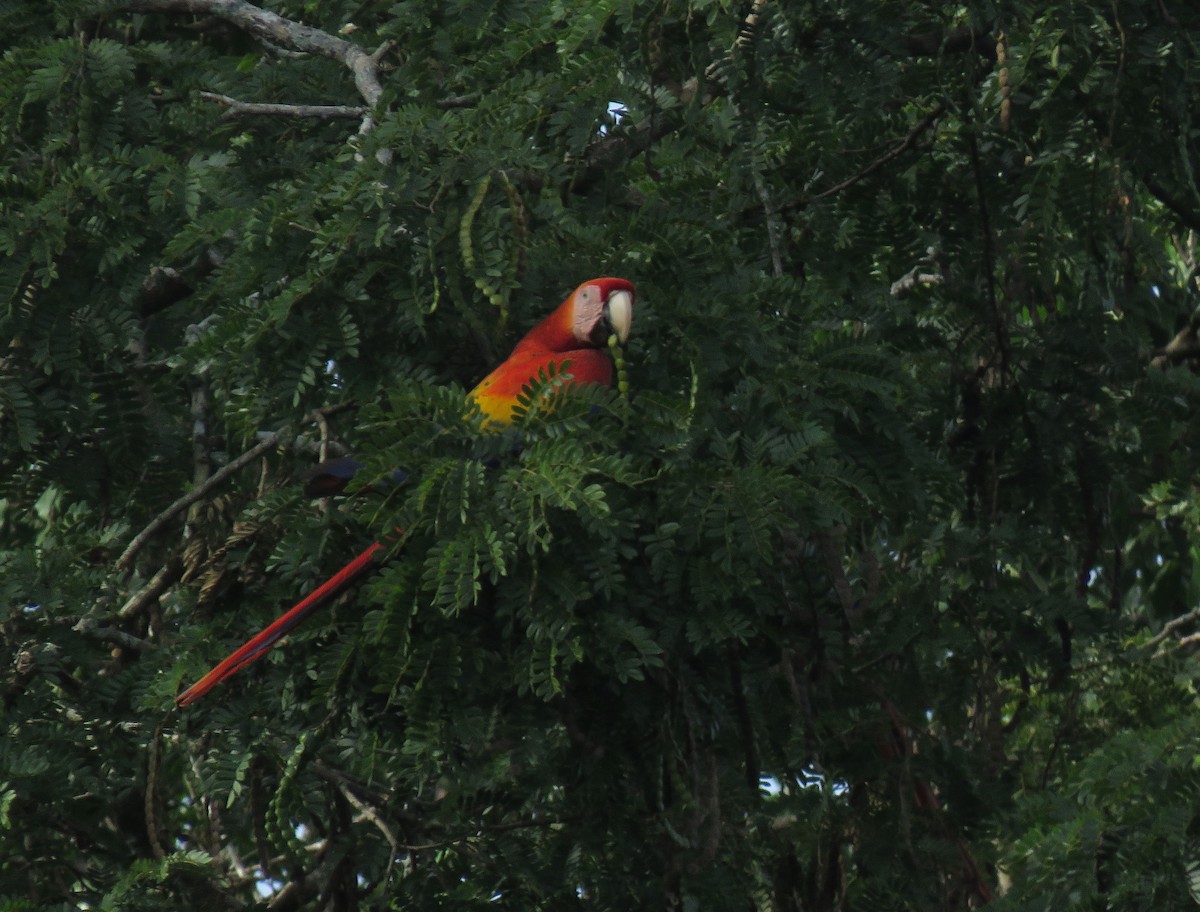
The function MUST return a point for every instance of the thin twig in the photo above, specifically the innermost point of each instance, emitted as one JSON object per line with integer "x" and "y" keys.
{"x": 482, "y": 830}
{"x": 140, "y": 540}
{"x": 369, "y": 813}
{"x": 831, "y": 548}
{"x": 771, "y": 214}
{"x": 894, "y": 152}
{"x": 266, "y": 440}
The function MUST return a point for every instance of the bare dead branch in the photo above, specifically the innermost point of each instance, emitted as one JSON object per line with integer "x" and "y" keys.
{"x": 144, "y": 597}
{"x": 236, "y": 108}
{"x": 914, "y": 278}
{"x": 277, "y": 32}
{"x": 459, "y": 101}
{"x": 1172, "y": 625}
{"x": 1184, "y": 346}
{"x": 89, "y": 628}
{"x": 272, "y": 28}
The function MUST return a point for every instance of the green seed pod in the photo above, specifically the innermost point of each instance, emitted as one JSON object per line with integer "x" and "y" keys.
{"x": 618, "y": 356}
{"x": 468, "y": 220}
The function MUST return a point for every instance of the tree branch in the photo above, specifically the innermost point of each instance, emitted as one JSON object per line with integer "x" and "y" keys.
{"x": 895, "y": 151}
{"x": 159, "y": 583}
{"x": 89, "y": 628}
{"x": 459, "y": 101}
{"x": 369, "y": 813}
{"x": 988, "y": 243}
{"x": 275, "y": 31}
{"x": 1185, "y": 213}
{"x": 1184, "y": 346}
{"x": 238, "y": 108}
{"x": 140, "y": 540}
{"x": 269, "y": 27}
{"x": 1171, "y": 626}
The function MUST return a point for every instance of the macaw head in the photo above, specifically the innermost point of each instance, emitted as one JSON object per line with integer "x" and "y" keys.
{"x": 593, "y": 311}
{"x": 602, "y": 307}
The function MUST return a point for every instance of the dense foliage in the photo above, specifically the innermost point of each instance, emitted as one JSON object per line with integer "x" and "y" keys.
{"x": 878, "y": 589}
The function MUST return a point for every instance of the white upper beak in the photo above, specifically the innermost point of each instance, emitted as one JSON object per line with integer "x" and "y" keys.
{"x": 618, "y": 309}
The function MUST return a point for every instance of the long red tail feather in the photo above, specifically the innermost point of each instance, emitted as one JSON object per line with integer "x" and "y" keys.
{"x": 266, "y": 638}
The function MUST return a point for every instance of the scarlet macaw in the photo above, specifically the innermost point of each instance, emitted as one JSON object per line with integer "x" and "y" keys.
{"x": 576, "y": 332}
